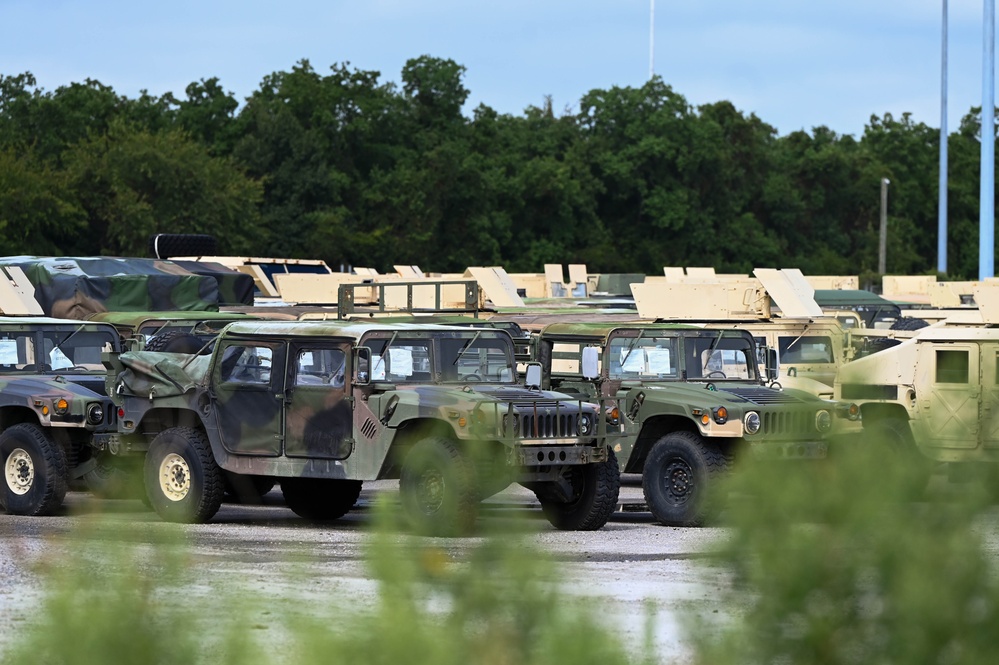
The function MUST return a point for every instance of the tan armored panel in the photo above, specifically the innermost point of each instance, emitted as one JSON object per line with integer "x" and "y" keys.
{"x": 913, "y": 288}
{"x": 834, "y": 282}
{"x": 790, "y": 291}
{"x": 554, "y": 281}
{"x": 496, "y": 284}
{"x": 700, "y": 301}
{"x": 578, "y": 278}
{"x": 987, "y": 297}
{"x": 260, "y": 279}
{"x": 672, "y": 274}
{"x": 367, "y": 273}
{"x": 396, "y": 296}
{"x": 701, "y": 273}
{"x": 533, "y": 285}
{"x": 313, "y": 289}
{"x": 17, "y": 295}
{"x": 409, "y": 272}
{"x": 942, "y": 294}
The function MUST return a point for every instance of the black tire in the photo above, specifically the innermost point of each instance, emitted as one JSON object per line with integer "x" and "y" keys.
{"x": 165, "y": 245}
{"x": 438, "y": 489}
{"x": 889, "y": 441}
{"x": 183, "y": 481}
{"x": 245, "y": 489}
{"x": 320, "y": 499}
{"x": 909, "y": 323}
{"x": 595, "y": 488}
{"x": 35, "y": 476}
{"x": 175, "y": 341}
{"x": 678, "y": 472}
{"x": 110, "y": 480}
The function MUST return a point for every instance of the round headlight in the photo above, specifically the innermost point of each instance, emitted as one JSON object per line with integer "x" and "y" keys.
{"x": 61, "y": 406}
{"x": 95, "y": 414}
{"x": 511, "y": 424}
{"x": 752, "y": 422}
{"x": 585, "y": 424}
{"x": 823, "y": 421}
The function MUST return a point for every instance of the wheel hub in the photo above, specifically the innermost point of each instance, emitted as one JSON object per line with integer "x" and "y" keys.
{"x": 19, "y": 472}
{"x": 430, "y": 491}
{"x": 679, "y": 480}
{"x": 175, "y": 477}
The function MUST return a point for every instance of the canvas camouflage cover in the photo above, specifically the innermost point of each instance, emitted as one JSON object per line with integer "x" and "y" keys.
{"x": 162, "y": 374}
{"x": 235, "y": 288}
{"x": 74, "y": 288}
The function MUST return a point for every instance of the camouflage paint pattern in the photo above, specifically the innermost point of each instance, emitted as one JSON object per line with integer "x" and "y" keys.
{"x": 273, "y": 422}
{"x": 74, "y": 288}
{"x": 651, "y": 407}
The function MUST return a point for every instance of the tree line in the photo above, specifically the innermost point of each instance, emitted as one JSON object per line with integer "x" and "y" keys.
{"x": 357, "y": 171}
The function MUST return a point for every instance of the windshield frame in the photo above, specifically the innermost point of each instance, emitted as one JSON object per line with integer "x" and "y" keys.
{"x": 443, "y": 364}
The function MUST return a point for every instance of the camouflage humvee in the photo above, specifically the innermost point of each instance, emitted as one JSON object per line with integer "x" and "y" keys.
{"x": 937, "y": 393}
{"x": 323, "y": 406}
{"x": 52, "y": 402}
{"x": 686, "y": 399}
{"x": 176, "y": 331}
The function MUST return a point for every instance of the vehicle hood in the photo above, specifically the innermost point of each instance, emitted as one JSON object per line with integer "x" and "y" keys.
{"x": 161, "y": 373}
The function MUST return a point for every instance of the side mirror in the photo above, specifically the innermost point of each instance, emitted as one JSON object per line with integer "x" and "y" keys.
{"x": 591, "y": 362}
{"x": 533, "y": 377}
{"x": 773, "y": 365}
{"x": 362, "y": 361}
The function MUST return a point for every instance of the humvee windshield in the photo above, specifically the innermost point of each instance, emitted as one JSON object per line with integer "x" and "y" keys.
{"x": 714, "y": 355}
{"x": 55, "y": 349}
{"x": 447, "y": 357}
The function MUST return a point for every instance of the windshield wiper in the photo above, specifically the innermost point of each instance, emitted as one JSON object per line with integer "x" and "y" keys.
{"x": 465, "y": 347}
{"x": 711, "y": 349}
{"x": 631, "y": 347}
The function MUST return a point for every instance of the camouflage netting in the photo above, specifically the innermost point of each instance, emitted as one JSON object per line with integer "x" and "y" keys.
{"x": 74, "y": 288}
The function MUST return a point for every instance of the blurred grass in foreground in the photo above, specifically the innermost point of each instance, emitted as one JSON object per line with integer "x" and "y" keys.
{"x": 847, "y": 561}
{"x": 498, "y": 602}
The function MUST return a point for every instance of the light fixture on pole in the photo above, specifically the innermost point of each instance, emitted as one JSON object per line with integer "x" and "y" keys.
{"x": 883, "y": 237}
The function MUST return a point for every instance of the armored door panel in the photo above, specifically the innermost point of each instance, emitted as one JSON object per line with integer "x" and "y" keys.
{"x": 949, "y": 413}
{"x": 249, "y": 389}
{"x": 318, "y": 414}
{"x": 990, "y": 396}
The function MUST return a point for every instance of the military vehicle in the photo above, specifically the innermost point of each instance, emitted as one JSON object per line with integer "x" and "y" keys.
{"x": 173, "y": 331}
{"x": 937, "y": 393}
{"x": 687, "y": 400}
{"x": 52, "y": 402}
{"x": 326, "y": 405}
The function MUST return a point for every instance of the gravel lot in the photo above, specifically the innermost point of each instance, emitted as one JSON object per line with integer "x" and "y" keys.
{"x": 629, "y": 566}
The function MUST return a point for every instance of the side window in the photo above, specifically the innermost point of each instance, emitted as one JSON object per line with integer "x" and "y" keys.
{"x": 247, "y": 364}
{"x": 806, "y": 350}
{"x": 565, "y": 358}
{"x": 316, "y": 367}
{"x": 952, "y": 366}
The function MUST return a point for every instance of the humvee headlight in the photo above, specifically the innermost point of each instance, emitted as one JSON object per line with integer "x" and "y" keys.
{"x": 585, "y": 424}
{"x": 823, "y": 421}
{"x": 853, "y": 413}
{"x": 95, "y": 414}
{"x": 720, "y": 415}
{"x": 752, "y": 422}
{"x": 511, "y": 424}
{"x": 61, "y": 406}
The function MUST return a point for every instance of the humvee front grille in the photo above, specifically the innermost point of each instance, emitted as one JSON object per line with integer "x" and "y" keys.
{"x": 549, "y": 426}
{"x": 788, "y": 422}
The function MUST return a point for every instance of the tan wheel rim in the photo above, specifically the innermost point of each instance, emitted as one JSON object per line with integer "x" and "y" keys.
{"x": 175, "y": 477}
{"x": 19, "y": 472}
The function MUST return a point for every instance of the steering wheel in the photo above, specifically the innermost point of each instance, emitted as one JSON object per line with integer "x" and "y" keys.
{"x": 715, "y": 374}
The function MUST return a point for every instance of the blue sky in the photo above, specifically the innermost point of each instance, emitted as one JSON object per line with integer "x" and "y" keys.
{"x": 796, "y": 64}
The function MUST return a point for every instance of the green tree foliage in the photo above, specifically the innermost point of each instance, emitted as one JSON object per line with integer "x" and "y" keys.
{"x": 360, "y": 171}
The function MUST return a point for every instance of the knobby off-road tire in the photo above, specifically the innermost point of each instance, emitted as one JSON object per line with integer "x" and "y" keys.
{"x": 183, "y": 481}
{"x": 890, "y": 442}
{"x": 109, "y": 480}
{"x": 35, "y": 476}
{"x": 165, "y": 245}
{"x": 595, "y": 492}
{"x": 678, "y": 473}
{"x": 245, "y": 489}
{"x": 320, "y": 499}
{"x": 175, "y": 341}
{"x": 438, "y": 490}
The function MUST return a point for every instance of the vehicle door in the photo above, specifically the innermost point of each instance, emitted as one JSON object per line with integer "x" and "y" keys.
{"x": 319, "y": 411}
{"x": 950, "y": 411}
{"x": 249, "y": 382}
{"x": 990, "y": 395}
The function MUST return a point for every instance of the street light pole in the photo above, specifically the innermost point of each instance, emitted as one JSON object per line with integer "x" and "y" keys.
{"x": 652, "y": 38}
{"x": 883, "y": 238}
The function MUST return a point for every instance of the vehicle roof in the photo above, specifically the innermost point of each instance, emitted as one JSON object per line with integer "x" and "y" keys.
{"x": 957, "y": 334}
{"x": 333, "y": 328}
{"x": 26, "y": 321}
{"x": 604, "y": 329}
{"x": 849, "y": 297}
{"x": 137, "y": 318}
